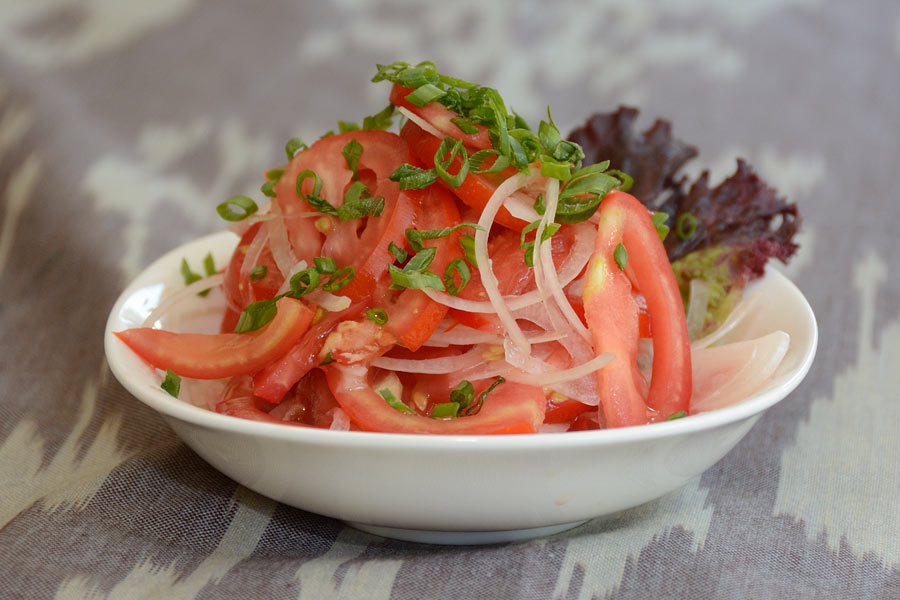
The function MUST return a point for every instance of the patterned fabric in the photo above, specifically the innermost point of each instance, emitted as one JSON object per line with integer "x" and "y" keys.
{"x": 123, "y": 124}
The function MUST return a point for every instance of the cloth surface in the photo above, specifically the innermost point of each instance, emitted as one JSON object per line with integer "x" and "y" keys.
{"x": 122, "y": 125}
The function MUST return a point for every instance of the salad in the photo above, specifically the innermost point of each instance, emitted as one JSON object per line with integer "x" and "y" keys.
{"x": 469, "y": 274}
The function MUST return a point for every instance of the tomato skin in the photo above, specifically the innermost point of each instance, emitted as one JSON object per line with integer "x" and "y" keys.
{"x": 510, "y": 408}
{"x": 236, "y": 291}
{"x": 215, "y": 356}
{"x": 237, "y": 400}
{"x": 613, "y": 317}
{"x": 413, "y": 316}
{"x": 565, "y": 411}
{"x": 440, "y": 117}
{"x": 475, "y": 190}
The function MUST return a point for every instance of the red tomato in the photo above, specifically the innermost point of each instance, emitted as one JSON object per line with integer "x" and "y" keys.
{"x": 413, "y": 316}
{"x": 565, "y": 411}
{"x": 237, "y": 400}
{"x": 510, "y": 408}
{"x": 220, "y": 355}
{"x": 441, "y": 118}
{"x": 237, "y": 292}
{"x": 476, "y": 189}
{"x": 612, "y": 315}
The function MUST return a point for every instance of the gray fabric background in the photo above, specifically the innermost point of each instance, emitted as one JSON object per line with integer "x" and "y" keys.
{"x": 122, "y": 125}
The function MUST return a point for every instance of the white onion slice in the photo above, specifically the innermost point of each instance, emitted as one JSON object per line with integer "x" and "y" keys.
{"x": 422, "y": 123}
{"x": 461, "y": 335}
{"x": 725, "y": 375}
{"x": 279, "y": 243}
{"x": 339, "y": 420}
{"x": 737, "y": 315}
{"x": 434, "y": 366}
{"x": 564, "y": 375}
{"x": 185, "y": 292}
{"x": 698, "y": 302}
{"x": 553, "y": 428}
{"x": 251, "y": 258}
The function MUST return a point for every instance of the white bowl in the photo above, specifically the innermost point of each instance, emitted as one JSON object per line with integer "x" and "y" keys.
{"x": 452, "y": 489}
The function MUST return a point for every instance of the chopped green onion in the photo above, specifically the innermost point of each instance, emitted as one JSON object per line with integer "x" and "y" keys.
{"x": 528, "y": 246}
{"x": 325, "y": 265}
{"x": 659, "y": 221}
{"x": 477, "y": 159}
{"x": 327, "y": 360}
{"x": 340, "y": 279}
{"x": 352, "y": 152}
{"x": 444, "y": 157}
{"x": 209, "y": 265}
{"x": 399, "y": 253}
{"x": 380, "y": 120}
{"x": 256, "y": 315}
{"x": 415, "y": 236}
{"x": 274, "y": 174}
{"x": 394, "y": 402}
{"x": 304, "y": 282}
{"x": 691, "y": 226}
{"x": 447, "y": 410}
{"x": 464, "y": 125}
{"x": 421, "y": 260}
{"x": 555, "y": 169}
{"x": 467, "y": 242}
{"x": 187, "y": 274}
{"x": 620, "y": 255}
{"x": 627, "y": 180}
{"x": 268, "y": 189}
{"x": 358, "y": 203}
{"x": 458, "y": 265}
{"x": 415, "y": 280}
{"x": 677, "y": 415}
{"x": 413, "y": 178}
{"x": 462, "y": 394}
{"x": 258, "y": 273}
{"x": 425, "y": 95}
{"x": 293, "y": 146}
{"x": 246, "y": 204}
{"x": 345, "y": 126}
{"x": 377, "y": 316}
{"x": 538, "y": 206}
{"x": 171, "y": 384}
{"x": 474, "y": 409}
{"x": 313, "y": 199}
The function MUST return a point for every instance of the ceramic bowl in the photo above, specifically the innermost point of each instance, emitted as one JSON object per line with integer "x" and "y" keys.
{"x": 453, "y": 489}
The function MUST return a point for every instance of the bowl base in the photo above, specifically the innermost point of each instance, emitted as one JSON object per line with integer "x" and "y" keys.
{"x": 463, "y": 538}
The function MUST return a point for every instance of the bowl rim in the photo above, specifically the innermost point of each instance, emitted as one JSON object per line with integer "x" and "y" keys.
{"x": 116, "y": 352}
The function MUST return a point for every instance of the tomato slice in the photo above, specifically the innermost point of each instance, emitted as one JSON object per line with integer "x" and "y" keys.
{"x": 441, "y": 118}
{"x": 203, "y": 356}
{"x": 510, "y": 408}
{"x": 237, "y": 400}
{"x": 413, "y": 316}
{"x": 476, "y": 189}
{"x": 613, "y": 317}
{"x": 237, "y": 292}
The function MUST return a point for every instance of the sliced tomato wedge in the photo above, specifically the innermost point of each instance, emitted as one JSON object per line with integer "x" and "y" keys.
{"x": 476, "y": 189}
{"x": 413, "y": 316}
{"x": 510, "y": 408}
{"x": 215, "y": 356}
{"x": 441, "y": 118}
{"x": 613, "y": 317}
{"x": 237, "y": 292}
{"x": 237, "y": 400}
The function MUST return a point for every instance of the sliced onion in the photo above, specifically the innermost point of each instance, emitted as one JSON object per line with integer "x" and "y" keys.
{"x": 279, "y": 243}
{"x": 251, "y": 258}
{"x": 553, "y": 428}
{"x": 241, "y": 227}
{"x": 564, "y": 375}
{"x": 186, "y": 292}
{"x": 698, "y": 303}
{"x": 328, "y": 301}
{"x": 725, "y": 375}
{"x": 339, "y": 420}
{"x": 434, "y": 366}
{"x": 461, "y": 335}
{"x": 737, "y": 315}
{"x": 422, "y": 123}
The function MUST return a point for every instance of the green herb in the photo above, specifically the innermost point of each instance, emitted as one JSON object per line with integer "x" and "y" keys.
{"x": 415, "y": 236}
{"x": 462, "y": 269}
{"x": 462, "y": 394}
{"x": 413, "y": 178}
{"x": 345, "y": 126}
{"x": 447, "y": 410}
{"x": 464, "y": 125}
{"x": 246, "y": 205}
{"x": 424, "y": 95}
{"x": 327, "y": 360}
{"x": 478, "y": 159}
{"x": 377, "y": 316}
{"x": 313, "y": 199}
{"x": 620, "y": 255}
{"x": 352, "y": 152}
{"x": 188, "y": 275}
{"x": 677, "y": 415}
{"x": 467, "y": 242}
{"x": 659, "y": 221}
{"x": 685, "y": 218}
{"x": 340, "y": 279}
{"x": 399, "y": 253}
{"x": 293, "y": 146}
{"x": 380, "y": 120}
{"x": 394, "y": 402}
{"x": 259, "y": 272}
{"x": 358, "y": 203}
{"x": 444, "y": 157}
{"x": 268, "y": 189}
{"x": 325, "y": 265}
{"x": 256, "y": 315}
{"x": 528, "y": 246}
{"x": 171, "y": 384}
{"x": 474, "y": 409}
{"x": 415, "y": 280}
{"x": 304, "y": 282}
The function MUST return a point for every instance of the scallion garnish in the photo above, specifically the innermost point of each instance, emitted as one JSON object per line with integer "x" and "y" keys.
{"x": 377, "y": 316}
{"x": 424, "y": 95}
{"x": 413, "y": 178}
{"x": 415, "y": 236}
{"x": 394, "y": 402}
{"x": 358, "y": 203}
{"x": 467, "y": 242}
{"x": 345, "y": 126}
{"x": 447, "y": 410}
{"x": 339, "y": 279}
{"x": 304, "y": 282}
{"x": 677, "y": 415}
{"x": 460, "y": 267}
{"x": 397, "y": 252}
{"x": 246, "y": 205}
{"x": 293, "y": 146}
{"x": 462, "y": 394}
{"x": 528, "y": 246}
{"x": 478, "y": 159}
{"x": 620, "y": 255}
{"x": 327, "y": 360}
{"x": 444, "y": 157}
{"x": 259, "y": 272}
{"x": 464, "y": 125}
{"x": 352, "y": 152}
{"x": 685, "y": 218}
{"x": 256, "y": 315}
{"x": 171, "y": 384}
{"x": 415, "y": 280}
{"x": 474, "y": 409}
{"x": 313, "y": 199}
{"x": 325, "y": 265}
{"x": 380, "y": 120}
